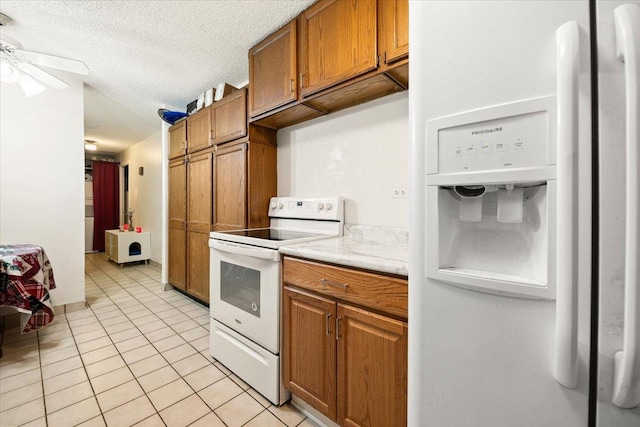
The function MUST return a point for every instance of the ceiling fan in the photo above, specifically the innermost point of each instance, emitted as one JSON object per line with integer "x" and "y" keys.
{"x": 23, "y": 67}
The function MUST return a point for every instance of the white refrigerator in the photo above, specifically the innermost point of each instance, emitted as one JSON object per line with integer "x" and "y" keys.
{"x": 524, "y": 295}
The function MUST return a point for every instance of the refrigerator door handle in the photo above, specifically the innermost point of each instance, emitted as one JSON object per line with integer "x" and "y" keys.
{"x": 568, "y": 72}
{"x": 626, "y": 380}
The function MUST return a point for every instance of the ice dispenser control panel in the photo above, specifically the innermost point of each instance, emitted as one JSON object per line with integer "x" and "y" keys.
{"x": 515, "y": 141}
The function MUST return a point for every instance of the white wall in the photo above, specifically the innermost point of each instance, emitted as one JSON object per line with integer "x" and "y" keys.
{"x": 360, "y": 153}
{"x": 42, "y": 179}
{"x": 145, "y": 192}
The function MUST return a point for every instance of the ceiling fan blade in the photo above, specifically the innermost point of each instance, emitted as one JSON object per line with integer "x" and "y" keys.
{"x": 41, "y": 75}
{"x": 29, "y": 85}
{"x": 58, "y": 62}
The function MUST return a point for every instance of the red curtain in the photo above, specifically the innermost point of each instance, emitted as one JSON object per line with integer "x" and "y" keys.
{"x": 106, "y": 199}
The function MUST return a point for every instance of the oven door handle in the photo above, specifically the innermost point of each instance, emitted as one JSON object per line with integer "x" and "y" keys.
{"x": 250, "y": 251}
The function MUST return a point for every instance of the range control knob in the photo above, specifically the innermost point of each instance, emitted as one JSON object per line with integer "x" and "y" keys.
{"x": 328, "y": 206}
{"x": 320, "y": 206}
{"x": 273, "y": 205}
{"x": 280, "y": 205}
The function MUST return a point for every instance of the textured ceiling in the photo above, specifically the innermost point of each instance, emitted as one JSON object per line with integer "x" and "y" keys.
{"x": 143, "y": 55}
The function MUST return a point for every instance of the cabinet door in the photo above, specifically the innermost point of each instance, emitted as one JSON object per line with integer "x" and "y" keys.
{"x": 273, "y": 71}
{"x": 199, "y": 220}
{"x": 178, "y": 140}
{"x": 230, "y": 179}
{"x": 198, "y": 267}
{"x": 230, "y": 117}
{"x": 199, "y": 192}
{"x": 199, "y": 130}
{"x": 372, "y": 369}
{"x": 338, "y": 42}
{"x": 177, "y": 222}
{"x": 310, "y": 349}
{"x": 393, "y": 29}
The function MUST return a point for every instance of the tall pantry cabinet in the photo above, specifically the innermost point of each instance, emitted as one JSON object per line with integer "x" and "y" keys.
{"x": 222, "y": 174}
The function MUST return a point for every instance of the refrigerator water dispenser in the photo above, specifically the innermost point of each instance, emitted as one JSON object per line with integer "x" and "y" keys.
{"x": 491, "y": 199}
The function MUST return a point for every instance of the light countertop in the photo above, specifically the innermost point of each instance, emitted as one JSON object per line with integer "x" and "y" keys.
{"x": 382, "y": 249}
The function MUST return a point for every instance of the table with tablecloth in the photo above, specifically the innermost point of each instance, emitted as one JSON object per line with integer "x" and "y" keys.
{"x": 26, "y": 277}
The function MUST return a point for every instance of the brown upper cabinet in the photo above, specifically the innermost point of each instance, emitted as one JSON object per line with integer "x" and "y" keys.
{"x": 393, "y": 30}
{"x": 245, "y": 179}
{"x": 178, "y": 140}
{"x": 199, "y": 130}
{"x": 230, "y": 187}
{"x": 348, "y": 52}
{"x": 337, "y": 42}
{"x": 273, "y": 71}
{"x": 229, "y": 117}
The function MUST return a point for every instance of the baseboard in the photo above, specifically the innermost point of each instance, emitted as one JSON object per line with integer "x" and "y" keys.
{"x": 70, "y": 307}
{"x": 311, "y": 412}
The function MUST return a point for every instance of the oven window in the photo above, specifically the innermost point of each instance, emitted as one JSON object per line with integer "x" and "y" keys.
{"x": 240, "y": 287}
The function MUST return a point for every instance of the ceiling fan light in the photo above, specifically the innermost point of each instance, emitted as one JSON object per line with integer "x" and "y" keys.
{"x": 29, "y": 85}
{"x": 8, "y": 74}
{"x": 90, "y": 146}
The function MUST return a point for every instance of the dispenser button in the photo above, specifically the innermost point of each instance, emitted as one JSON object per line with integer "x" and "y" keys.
{"x": 486, "y": 148}
{"x": 518, "y": 145}
{"x": 501, "y": 147}
{"x": 472, "y": 150}
{"x": 459, "y": 151}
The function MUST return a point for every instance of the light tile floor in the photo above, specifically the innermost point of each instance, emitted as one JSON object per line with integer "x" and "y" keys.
{"x": 137, "y": 356}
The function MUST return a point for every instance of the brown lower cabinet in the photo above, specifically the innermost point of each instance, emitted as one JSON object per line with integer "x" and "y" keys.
{"x": 348, "y": 363}
{"x": 198, "y": 265}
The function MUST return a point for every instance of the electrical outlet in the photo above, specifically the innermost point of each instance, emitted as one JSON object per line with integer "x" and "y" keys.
{"x": 400, "y": 193}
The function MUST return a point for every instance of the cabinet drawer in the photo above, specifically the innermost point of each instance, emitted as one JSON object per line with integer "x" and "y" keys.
{"x": 371, "y": 290}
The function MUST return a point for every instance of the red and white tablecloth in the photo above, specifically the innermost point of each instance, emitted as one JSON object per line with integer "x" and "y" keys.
{"x": 25, "y": 280}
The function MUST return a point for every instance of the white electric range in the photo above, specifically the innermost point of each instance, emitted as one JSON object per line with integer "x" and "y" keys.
{"x": 245, "y": 294}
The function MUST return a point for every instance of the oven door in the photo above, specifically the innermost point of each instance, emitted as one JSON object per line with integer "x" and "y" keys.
{"x": 245, "y": 291}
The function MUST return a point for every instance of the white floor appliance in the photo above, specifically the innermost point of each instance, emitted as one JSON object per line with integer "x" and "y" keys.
{"x": 245, "y": 275}
{"x": 524, "y": 295}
